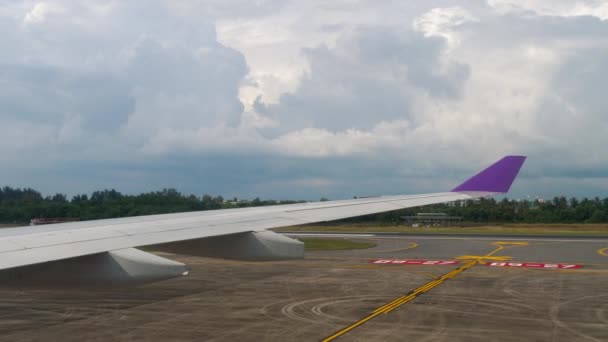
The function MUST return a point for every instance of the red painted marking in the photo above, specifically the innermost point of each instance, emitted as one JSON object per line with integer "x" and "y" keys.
{"x": 414, "y": 262}
{"x": 532, "y": 265}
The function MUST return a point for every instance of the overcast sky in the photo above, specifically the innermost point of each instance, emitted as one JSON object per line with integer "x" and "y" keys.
{"x": 302, "y": 99}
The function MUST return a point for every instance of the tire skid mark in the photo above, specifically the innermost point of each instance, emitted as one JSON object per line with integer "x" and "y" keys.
{"x": 554, "y": 316}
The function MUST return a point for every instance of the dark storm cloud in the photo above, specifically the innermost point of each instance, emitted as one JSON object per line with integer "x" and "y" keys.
{"x": 572, "y": 117}
{"x": 582, "y": 81}
{"x": 210, "y": 74}
{"x": 370, "y": 75}
{"x": 46, "y": 94}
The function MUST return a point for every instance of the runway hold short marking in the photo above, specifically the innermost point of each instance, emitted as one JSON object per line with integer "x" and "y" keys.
{"x": 414, "y": 262}
{"x": 533, "y": 265}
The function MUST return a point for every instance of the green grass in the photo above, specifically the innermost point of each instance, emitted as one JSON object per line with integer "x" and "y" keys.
{"x": 506, "y": 229}
{"x": 314, "y": 244}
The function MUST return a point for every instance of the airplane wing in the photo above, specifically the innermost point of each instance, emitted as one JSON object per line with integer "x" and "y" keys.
{"x": 104, "y": 251}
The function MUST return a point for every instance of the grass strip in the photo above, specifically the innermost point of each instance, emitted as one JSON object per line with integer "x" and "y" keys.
{"x": 315, "y": 244}
{"x": 548, "y": 229}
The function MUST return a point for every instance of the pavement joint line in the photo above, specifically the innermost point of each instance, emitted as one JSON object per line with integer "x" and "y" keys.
{"x": 399, "y": 301}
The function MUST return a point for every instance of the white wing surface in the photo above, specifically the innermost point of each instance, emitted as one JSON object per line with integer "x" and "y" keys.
{"x": 27, "y": 246}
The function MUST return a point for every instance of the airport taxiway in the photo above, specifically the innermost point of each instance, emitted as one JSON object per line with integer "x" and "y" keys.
{"x": 331, "y": 292}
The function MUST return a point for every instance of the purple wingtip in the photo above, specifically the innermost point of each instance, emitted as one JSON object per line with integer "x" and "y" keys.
{"x": 496, "y": 178}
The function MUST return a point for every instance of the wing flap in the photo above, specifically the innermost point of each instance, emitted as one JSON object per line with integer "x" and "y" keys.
{"x": 39, "y": 254}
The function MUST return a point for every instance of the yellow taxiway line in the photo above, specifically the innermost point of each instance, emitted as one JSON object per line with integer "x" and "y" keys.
{"x": 603, "y": 251}
{"x": 412, "y": 245}
{"x": 397, "y": 302}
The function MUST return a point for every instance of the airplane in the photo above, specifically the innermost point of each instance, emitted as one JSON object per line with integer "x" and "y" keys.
{"x": 105, "y": 252}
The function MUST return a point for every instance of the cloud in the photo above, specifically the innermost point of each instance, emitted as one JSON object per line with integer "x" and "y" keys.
{"x": 41, "y": 11}
{"x": 442, "y": 22}
{"x": 98, "y": 76}
{"x": 292, "y": 99}
{"x": 50, "y": 95}
{"x": 371, "y": 75}
{"x": 597, "y": 8}
{"x": 185, "y": 88}
{"x": 572, "y": 116}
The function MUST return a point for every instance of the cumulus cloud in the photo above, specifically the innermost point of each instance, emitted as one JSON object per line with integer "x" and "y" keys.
{"x": 442, "y": 22}
{"x": 597, "y": 8}
{"x": 180, "y": 87}
{"x": 41, "y": 11}
{"x": 306, "y": 98}
{"x": 371, "y": 75}
{"x": 106, "y": 71}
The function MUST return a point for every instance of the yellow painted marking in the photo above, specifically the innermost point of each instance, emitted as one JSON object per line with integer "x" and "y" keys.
{"x": 428, "y": 274}
{"x": 394, "y": 304}
{"x": 424, "y": 288}
{"x": 428, "y": 286}
{"x": 393, "y": 307}
{"x": 603, "y": 251}
{"x": 500, "y": 248}
{"x": 412, "y": 245}
{"x": 399, "y": 301}
{"x": 516, "y": 243}
{"x": 351, "y": 327}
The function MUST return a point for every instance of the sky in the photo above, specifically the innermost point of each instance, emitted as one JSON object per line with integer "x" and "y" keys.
{"x": 289, "y": 99}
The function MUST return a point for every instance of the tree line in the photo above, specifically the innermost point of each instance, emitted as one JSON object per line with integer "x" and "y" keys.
{"x": 21, "y": 205}
{"x": 489, "y": 210}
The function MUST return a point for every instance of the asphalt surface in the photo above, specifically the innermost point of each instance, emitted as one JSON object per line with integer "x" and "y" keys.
{"x": 330, "y": 292}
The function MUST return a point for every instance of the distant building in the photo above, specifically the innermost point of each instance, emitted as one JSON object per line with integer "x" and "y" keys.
{"x": 459, "y": 203}
{"x": 236, "y": 201}
{"x": 431, "y": 219}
